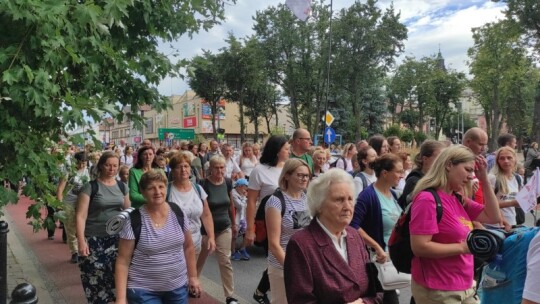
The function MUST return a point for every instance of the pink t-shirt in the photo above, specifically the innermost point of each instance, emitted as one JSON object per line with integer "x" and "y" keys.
{"x": 449, "y": 273}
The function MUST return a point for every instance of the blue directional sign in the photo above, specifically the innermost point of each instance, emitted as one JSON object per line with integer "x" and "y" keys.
{"x": 329, "y": 135}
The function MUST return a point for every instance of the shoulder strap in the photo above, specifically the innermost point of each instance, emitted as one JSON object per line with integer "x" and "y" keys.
{"x": 497, "y": 186}
{"x": 196, "y": 189}
{"x": 228, "y": 182}
{"x": 168, "y": 196}
{"x": 438, "y": 204}
{"x": 179, "y": 214}
{"x": 135, "y": 219}
{"x": 518, "y": 178}
{"x": 94, "y": 185}
{"x": 122, "y": 187}
{"x": 281, "y": 198}
{"x": 364, "y": 180}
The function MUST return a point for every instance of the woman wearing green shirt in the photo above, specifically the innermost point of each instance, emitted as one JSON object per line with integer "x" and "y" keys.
{"x": 146, "y": 160}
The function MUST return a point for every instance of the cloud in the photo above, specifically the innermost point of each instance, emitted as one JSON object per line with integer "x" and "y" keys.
{"x": 431, "y": 23}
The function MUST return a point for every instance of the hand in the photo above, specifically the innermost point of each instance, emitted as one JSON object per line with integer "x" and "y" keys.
{"x": 382, "y": 256}
{"x": 211, "y": 245}
{"x": 84, "y": 251}
{"x": 234, "y": 229}
{"x": 249, "y": 238}
{"x": 475, "y": 185}
{"x": 506, "y": 225}
{"x": 194, "y": 287}
{"x": 480, "y": 167}
{"x": 358, "y": 301}
{"x": 465, "y": 247}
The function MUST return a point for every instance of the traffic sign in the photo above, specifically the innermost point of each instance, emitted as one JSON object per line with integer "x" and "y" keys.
{"x": 176, "y": 133}
{"x": 328, "y": 119}
{"x": 329, "y": 135}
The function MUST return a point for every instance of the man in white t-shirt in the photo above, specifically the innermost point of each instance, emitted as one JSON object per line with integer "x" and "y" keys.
{"x": 232, "y": 170}
{"x": 531, "y": 292}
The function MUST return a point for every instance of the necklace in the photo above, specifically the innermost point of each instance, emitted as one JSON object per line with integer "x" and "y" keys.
{"x": 158, "y": 220}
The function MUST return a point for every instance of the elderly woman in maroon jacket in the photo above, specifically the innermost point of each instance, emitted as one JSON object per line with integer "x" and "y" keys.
{"x": 326, "y": 262}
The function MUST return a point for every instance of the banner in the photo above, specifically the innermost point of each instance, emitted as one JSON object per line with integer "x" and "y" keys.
{"x": 300, "y": 8}
{"x": 530, "y": 192}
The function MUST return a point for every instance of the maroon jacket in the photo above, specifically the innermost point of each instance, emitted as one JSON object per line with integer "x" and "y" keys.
{"x": 315, "y": 272}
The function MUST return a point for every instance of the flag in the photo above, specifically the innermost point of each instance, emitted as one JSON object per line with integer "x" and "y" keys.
{"x": 527, "y": 196}
{"x": 300, "y": 8}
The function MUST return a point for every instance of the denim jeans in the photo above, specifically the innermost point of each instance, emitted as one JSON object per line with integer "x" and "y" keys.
{"x": 176, "y": 296}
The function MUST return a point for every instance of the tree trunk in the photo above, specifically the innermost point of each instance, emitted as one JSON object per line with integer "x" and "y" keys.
{"x": 242, "y": 125}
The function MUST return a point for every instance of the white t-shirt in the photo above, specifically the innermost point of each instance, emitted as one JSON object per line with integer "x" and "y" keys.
{"x": 345, "y": 164}
{"x": 192, "y": 206}
{"x": 265, "y": 179}
{"x": 531, "y": 291}
{"x": 359, "y": 185}
{"x": 126, "y": 160}
{"x": 513, "y": 188}
{"x": 247, "y": 165}
{"x": 231, "y": 167}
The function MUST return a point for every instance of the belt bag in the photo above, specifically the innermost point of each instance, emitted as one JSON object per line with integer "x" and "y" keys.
{"x": 389, "y": 277}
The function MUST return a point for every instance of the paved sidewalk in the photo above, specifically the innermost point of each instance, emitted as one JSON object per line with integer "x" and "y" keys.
{"x": 23, "y": 267}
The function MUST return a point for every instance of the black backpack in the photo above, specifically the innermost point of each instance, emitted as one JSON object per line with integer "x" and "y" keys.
{"x": 399, "y": 244}
{"x": 363, "y": 178}
{"x": 136, "y": 220}
{"x": 261, "y": 235}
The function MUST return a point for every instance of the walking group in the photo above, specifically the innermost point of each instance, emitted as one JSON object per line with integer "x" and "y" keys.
{"x": 325, "y": 216}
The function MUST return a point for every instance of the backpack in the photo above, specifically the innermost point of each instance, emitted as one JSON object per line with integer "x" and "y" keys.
{"x": 514, "y": 265}
{"x": 363, "y": 178}
{"x": 94, "y": 185}
{"x": 136, "y": 224}
{"x": 405, "y": 199}
{"x": 261, "y": 235}
{"x": 520, "y": 214}
{"x": 399, "y": 244}
{"x": 333, "y": 165}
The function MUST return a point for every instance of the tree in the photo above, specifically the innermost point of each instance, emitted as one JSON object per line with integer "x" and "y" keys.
{"x": 206, "y": 78}
{"x": 527, "y": 15}
{"x": 500, "y": 65}
{"x": 366, "y": 43}
{"x": 62, "y": 62}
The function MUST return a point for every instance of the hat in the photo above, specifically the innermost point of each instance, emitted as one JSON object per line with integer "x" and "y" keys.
{"x": 241, "y": 182}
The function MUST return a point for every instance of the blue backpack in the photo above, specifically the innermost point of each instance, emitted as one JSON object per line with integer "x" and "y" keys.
{"x": 514, "y": 265}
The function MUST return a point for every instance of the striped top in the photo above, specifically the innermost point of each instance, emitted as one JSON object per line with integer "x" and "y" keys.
{"x": 158, "y": 262}
{"x": 296, "y": 217}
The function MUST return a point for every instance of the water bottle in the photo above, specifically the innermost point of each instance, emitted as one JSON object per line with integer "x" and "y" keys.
{"x": 493, "y": 274}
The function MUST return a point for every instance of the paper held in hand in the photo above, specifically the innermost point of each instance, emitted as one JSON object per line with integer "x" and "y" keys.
{"x": 527, "y": 196}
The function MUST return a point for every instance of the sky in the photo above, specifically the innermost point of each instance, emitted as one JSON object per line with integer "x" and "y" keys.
{"x": 431, "y": 24}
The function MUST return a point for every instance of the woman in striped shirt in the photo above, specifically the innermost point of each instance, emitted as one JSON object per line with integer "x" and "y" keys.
{"x": 159, "y": 265}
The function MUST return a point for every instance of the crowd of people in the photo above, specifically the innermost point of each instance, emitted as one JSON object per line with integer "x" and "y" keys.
{"x": 321, "y": 213}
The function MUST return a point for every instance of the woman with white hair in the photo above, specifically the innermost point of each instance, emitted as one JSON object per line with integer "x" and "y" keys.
{"x": 326, "y": 261}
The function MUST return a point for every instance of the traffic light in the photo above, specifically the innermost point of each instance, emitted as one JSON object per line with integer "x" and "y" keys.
{"x": 221, "y": 131}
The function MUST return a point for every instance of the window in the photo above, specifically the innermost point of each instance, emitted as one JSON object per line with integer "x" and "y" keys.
{"x": 149, "y": 125}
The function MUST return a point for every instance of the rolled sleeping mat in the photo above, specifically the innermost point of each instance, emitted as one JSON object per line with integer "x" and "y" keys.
{"x": 115, "y": 223}
{"x": 485, "y": 243}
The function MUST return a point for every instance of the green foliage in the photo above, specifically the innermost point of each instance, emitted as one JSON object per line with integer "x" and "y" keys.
{"x": 393, "y": 130}
{"x": 419, "y": 137}
{"x": 407, "y": 135}
{"x": 64, "y": 61}
{"x": 502, "y": 74}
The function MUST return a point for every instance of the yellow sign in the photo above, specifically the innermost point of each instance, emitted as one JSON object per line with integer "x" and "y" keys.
{"x": 329, "y": 118}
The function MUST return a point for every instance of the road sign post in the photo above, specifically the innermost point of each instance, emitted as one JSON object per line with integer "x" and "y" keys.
{"x": 176, "y": 133}
{"x": 329, "y": 135}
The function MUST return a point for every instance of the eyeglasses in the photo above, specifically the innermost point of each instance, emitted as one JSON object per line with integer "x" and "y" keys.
{"x": 302, "y": 176}
{"x": 305, "y": 138}
{"x": 398, "y": 171}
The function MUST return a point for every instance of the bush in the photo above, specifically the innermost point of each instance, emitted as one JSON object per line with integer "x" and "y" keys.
{"x": 407, "y": 136}
{"x": 420, "y": 137}
{"x": 393, "y": 130}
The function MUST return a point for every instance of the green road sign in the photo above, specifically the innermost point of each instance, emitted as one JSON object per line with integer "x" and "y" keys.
{"x": 176, "y": 134}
